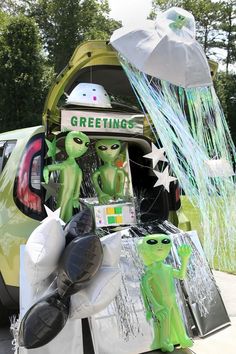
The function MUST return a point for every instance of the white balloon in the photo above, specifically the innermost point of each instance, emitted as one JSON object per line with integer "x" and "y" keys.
{"x": 111, "y": 249}
{"x": 97, "y": 295}
{"x": 104, "y": 286}
{"x": 43, "y": 250}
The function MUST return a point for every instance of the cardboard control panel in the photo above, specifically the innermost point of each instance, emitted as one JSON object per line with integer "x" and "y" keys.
{"x": 114, "y": 214}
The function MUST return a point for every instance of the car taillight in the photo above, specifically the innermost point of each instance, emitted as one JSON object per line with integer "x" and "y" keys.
{"x": 28, "y": 190}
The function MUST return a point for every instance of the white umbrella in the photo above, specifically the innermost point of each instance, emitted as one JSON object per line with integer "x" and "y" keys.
{"x": 166, "y": 49}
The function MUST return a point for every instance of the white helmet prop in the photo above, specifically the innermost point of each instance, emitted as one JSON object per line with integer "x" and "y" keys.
{"x": 90, "y": 95}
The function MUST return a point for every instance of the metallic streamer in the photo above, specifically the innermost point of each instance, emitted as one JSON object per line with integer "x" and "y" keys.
{"x": 193, "y": 130}
{"x": 125, "y": 308}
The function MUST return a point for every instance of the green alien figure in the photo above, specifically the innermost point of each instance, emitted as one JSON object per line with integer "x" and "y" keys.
{"x": 158, "y": 291}
{"x": 109, "y": 179}
{"x": 179, "y": 23}
{"x": 76, "y": 145}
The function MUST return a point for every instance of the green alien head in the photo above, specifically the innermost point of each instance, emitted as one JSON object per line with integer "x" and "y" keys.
{"x": 108, "y": 149}
{"x": 76, "y": 144}
{"x": 154, "y": 248}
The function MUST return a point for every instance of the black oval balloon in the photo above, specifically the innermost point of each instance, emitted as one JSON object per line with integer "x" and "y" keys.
{"x": 79, "y": 262}
{"x": 81, "y": 224}
{"x": 43, "y": 321}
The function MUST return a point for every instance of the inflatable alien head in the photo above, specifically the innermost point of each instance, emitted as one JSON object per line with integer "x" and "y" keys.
{"x": 89, "y": 95}
{"x": 76, "y": 144}
{"x": 108, "y": 149}
{"x": 154, "y": 248}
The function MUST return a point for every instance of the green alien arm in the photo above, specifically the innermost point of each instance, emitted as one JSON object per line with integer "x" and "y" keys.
{"x": 102, "y": 197}
{"x": 51, "y": 168}
{"x": 146, "y": 303}
{"x": 121, "y": 176}
{"x": 95, "y": 178}
{"x": 184, "y": 253}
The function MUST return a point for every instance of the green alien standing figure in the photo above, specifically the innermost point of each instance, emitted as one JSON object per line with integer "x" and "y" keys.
{"x": 76, "y": 145}
{"x": 158, "y": 291}
{"x": 109, "y": 179}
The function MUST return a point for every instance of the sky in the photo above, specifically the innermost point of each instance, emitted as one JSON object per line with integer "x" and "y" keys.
{"x": 130, "y": 11}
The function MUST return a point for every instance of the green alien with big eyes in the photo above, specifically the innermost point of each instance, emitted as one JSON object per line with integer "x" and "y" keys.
{"x": 179, "y": 22}
{"x": 76, "y": 145}
{"x": 109, "y": 179}
{"x": 158, "y": 291}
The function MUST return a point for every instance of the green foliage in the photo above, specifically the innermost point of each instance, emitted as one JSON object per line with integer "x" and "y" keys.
{"x": 162, "y": 5}
{"x": 22, "y": 74}
{"x": 25, "y": 73}
{"x": 225, "y": 85}
{"x": 228, "y": 26}
{"x": 65, "y": 24}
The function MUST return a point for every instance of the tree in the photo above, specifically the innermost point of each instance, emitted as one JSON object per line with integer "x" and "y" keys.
{"x": 162, "y": 5}
{"x": 228, "y": 26}
{"x": 22, "y": 74}
{"x": 225, "y": 84}
{"x": 65, "y": 24}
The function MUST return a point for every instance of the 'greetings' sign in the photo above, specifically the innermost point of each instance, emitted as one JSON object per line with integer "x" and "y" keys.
{"x": 102, "y": 122}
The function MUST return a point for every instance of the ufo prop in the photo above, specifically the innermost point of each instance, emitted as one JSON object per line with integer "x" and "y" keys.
{"x": 165, "y": 48}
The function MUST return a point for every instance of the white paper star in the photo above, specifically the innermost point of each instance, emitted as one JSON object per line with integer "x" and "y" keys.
{"x": 156, "y": 155}
{"x": 53, "y": 215}
{"x": 164, "y": 179}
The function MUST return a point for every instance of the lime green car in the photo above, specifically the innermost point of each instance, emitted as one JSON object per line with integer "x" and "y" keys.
{"x": 21, "y": 203}
{"x": 22, "y": 156}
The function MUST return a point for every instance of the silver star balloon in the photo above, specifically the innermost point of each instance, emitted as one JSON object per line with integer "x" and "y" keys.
{"x": 52, "y": 189}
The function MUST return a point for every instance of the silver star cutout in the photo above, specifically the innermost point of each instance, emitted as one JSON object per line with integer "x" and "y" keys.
{"x": 52, "y": 188}
{"x": 156, "y": 155}
{"x": 164, "y": 179}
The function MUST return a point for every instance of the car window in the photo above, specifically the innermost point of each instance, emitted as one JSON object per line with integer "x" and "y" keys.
{"x": 8, "y": 148}
{"x": 2, "y": 145}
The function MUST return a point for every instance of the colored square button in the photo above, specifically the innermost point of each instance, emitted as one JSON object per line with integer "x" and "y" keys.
{"x": 119, "y": 219}
{"x": 110, "y": 211}
{"x": 111, "y": 219}
{"x": 118, "y": 210}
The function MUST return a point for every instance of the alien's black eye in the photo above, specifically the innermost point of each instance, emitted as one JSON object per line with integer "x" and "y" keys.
{"x": 115, "y": 146}
{"x": 87, "y": 144}
{"x": 165, "y": 241}
{"x": 152, "y": 242}
{"x": 78, "y": 141}
{"x": 102, "y": 147}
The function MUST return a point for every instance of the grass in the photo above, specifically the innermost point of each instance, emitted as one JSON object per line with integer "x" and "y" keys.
{"x": 192, "y": 214}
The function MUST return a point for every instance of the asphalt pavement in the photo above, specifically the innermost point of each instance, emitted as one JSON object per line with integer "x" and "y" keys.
{"x": 5, "y": 341}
